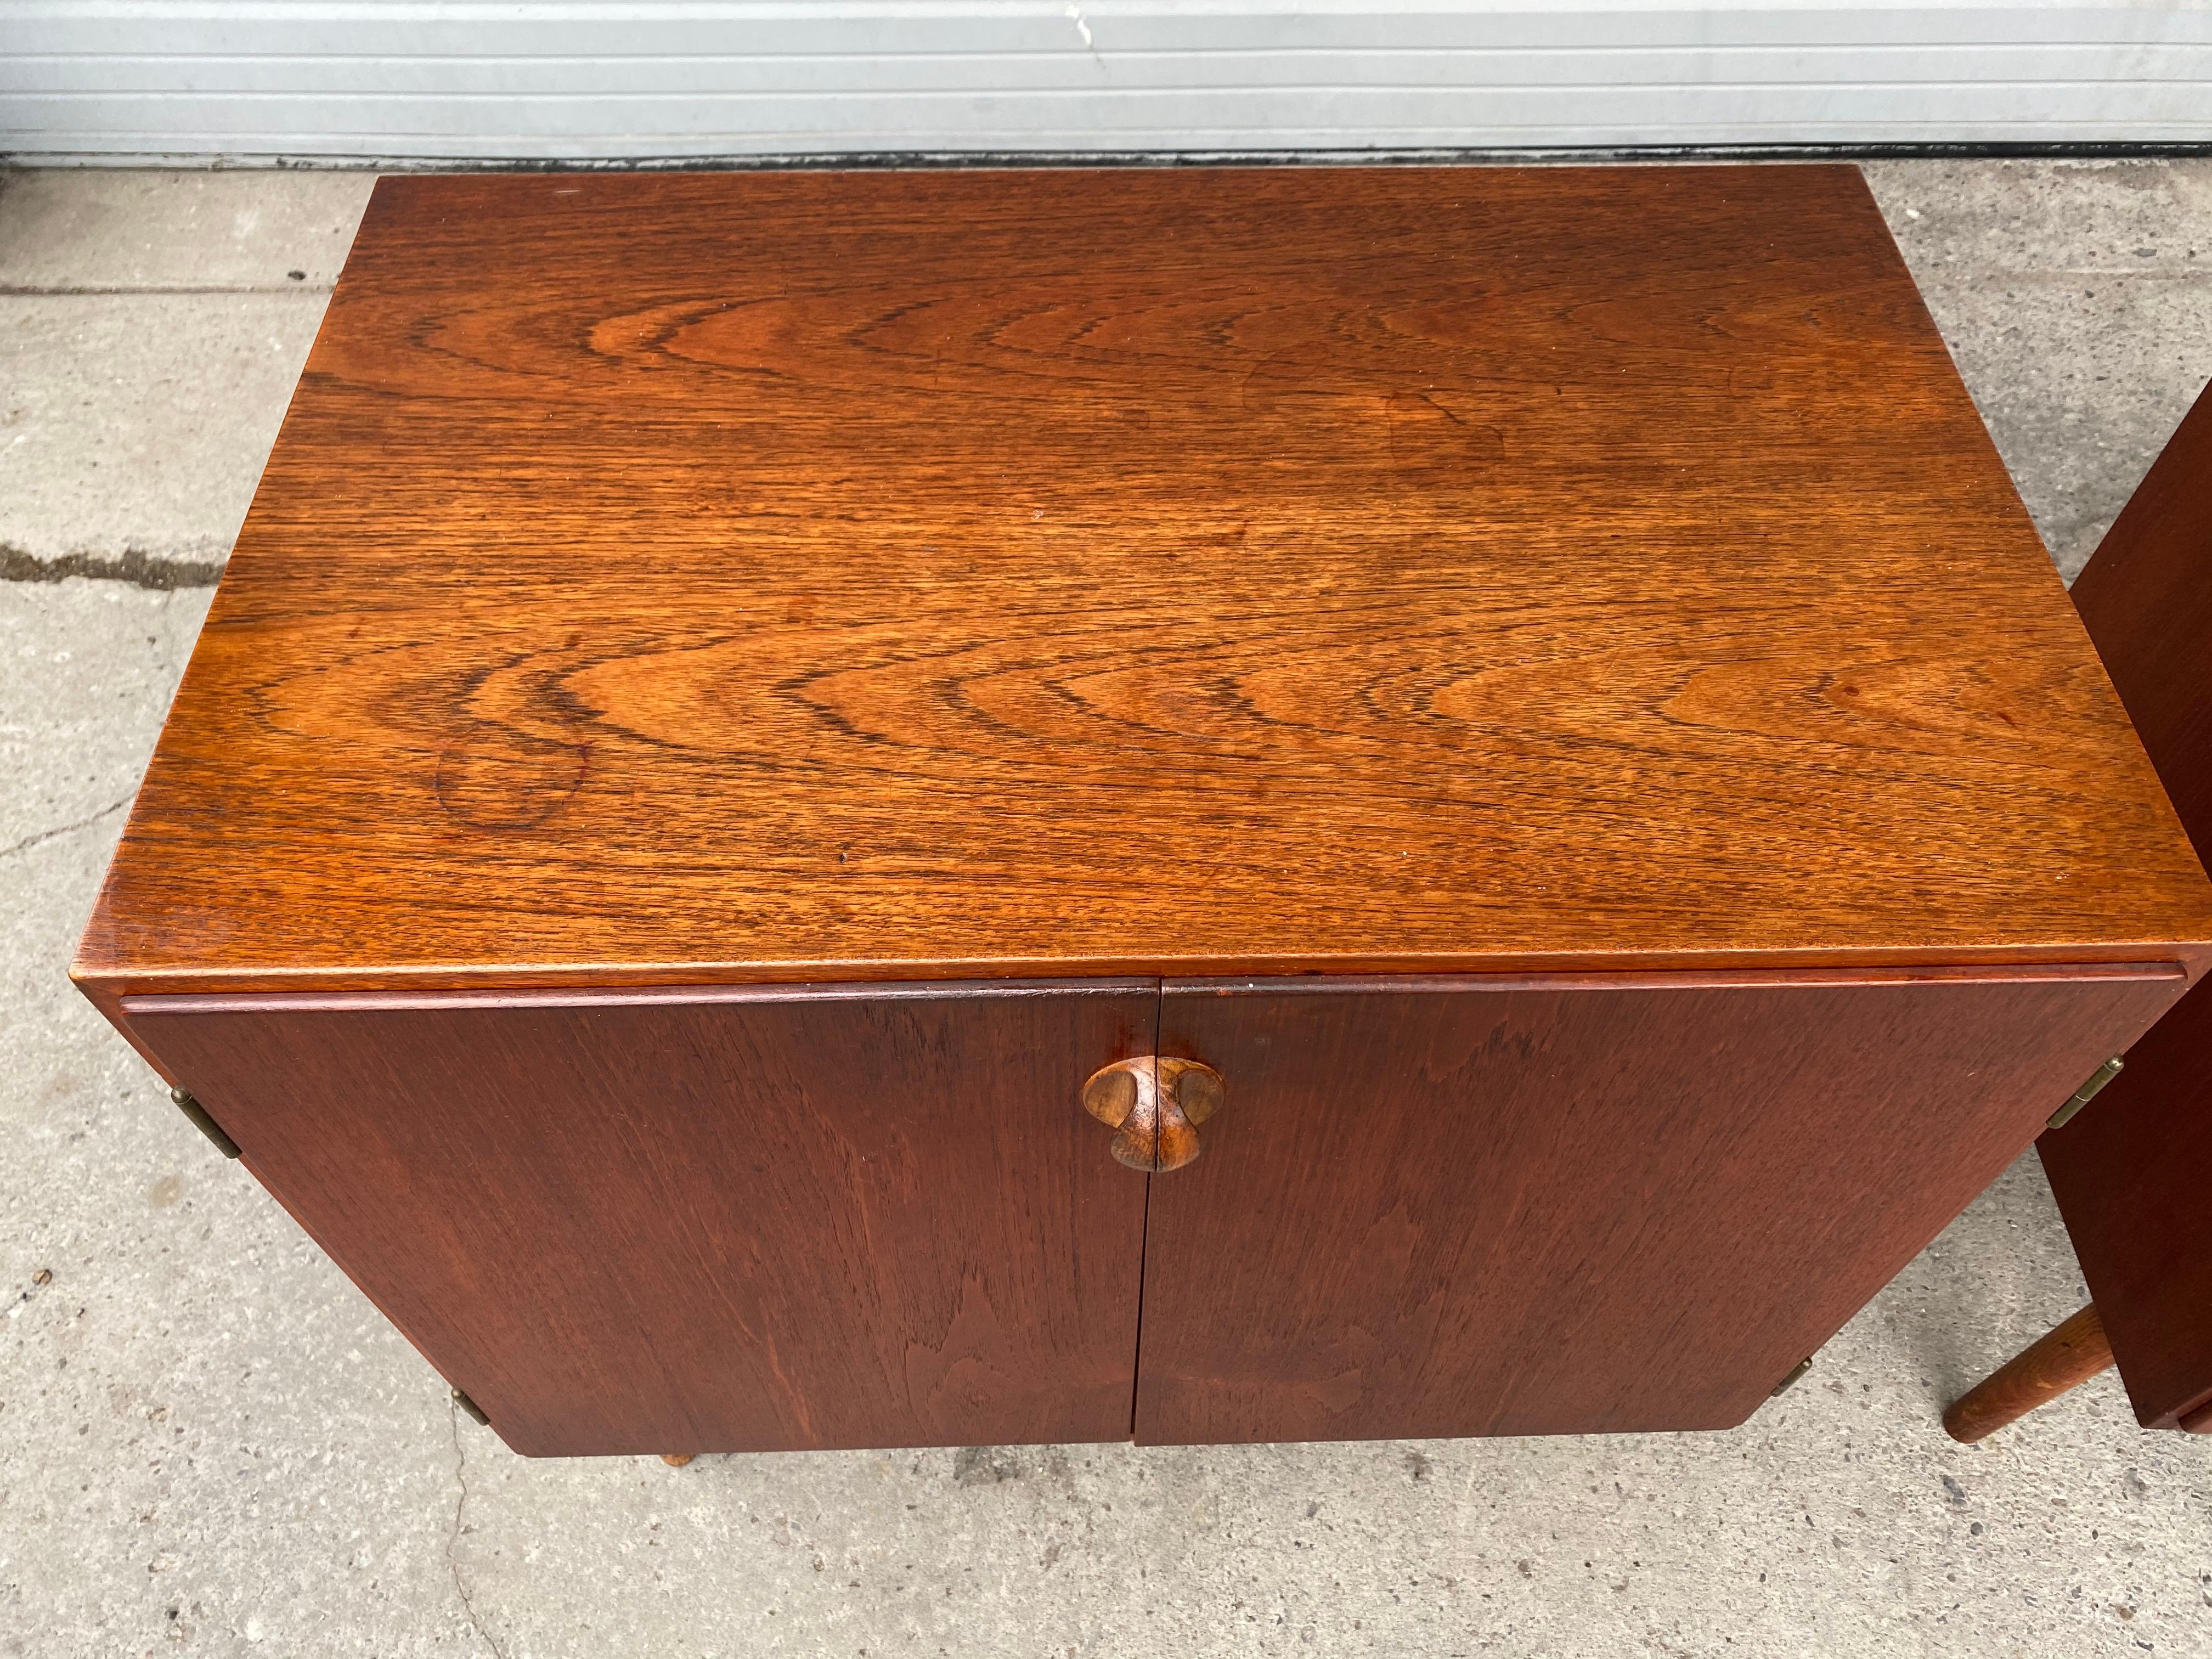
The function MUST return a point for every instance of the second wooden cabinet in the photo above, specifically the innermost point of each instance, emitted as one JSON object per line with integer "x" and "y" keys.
{"x": 767, "y": 1219}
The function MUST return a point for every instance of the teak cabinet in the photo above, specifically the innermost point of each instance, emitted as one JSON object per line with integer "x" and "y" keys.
{"x": 1501, "y": 735}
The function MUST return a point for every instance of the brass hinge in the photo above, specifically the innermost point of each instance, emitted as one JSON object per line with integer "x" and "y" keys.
{"x": 2085, "y": 1093}
{"x": 206, "y": 1125}
{"x": 1790, "y": 1381}
{"x": 470, "y": 1407}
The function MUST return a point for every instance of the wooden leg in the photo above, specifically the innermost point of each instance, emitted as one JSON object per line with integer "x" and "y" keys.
{"x": 2060, "y": 1359}
{"x": 676, "y": 1459}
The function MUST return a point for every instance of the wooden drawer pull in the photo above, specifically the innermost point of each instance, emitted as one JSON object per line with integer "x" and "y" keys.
{"x": 1154, "y": 1105}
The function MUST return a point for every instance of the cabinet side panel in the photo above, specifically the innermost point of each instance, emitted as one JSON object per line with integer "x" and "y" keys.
{"x": 714, "y": 1226}
{"x": 2133, "y": 1178}
{"x": 2133, "y": 1174}
{"x": 1532, "y": 1210}
{"x": 2146, "y": 599}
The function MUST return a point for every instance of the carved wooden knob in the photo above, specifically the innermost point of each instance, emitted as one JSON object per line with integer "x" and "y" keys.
{"x": 1154, "y": 1105}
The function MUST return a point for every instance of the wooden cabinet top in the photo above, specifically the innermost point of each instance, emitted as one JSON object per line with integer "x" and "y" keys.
{"x": 875, "y": 575}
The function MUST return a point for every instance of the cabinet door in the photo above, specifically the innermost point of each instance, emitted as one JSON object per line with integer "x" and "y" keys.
{"x": 1562, "y": 1204}
{"x": 702, "y": 1221}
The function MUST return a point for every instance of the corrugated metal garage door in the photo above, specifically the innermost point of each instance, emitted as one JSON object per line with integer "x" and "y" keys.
{"x": 680, "y": 78}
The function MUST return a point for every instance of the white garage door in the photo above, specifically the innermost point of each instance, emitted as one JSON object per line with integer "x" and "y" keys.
{"x": 112, "y": 79}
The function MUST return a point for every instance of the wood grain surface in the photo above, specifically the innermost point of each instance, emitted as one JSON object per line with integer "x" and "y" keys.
{"x": 2063, "y": 1357}
{"x": 776, "y": 576}
{"x": 1452, "y": 1209}
{"x": 702, "y": 1222}
{"x": 2133, "y": 1173}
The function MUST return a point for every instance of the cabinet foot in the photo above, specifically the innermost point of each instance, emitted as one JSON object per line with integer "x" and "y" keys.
{"x": 2064, "y": 1358}
{"x": 676, "y": 1459}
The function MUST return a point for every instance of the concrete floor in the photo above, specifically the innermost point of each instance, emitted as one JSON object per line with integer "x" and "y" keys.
{"x": 209, "y": 1442}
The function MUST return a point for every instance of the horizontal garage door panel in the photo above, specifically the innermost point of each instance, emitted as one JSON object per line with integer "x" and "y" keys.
{"x": 120, "y": 79}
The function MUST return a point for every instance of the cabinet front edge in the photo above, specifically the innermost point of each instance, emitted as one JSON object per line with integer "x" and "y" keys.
{"x": 107, "y": 984}
{"x": 1688, "y": 979}
{"x": 557, "y": 996}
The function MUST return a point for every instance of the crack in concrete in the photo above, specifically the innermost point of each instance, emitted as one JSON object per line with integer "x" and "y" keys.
{"x": 452, "y": 1538}
{"x": 46, "y": 836}
{"x": 136, "y": 566}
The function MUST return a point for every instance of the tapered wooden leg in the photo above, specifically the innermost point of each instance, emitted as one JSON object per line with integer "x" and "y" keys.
{"x": 676, "y": 1459}
{"x": 2061, "y": 1358}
